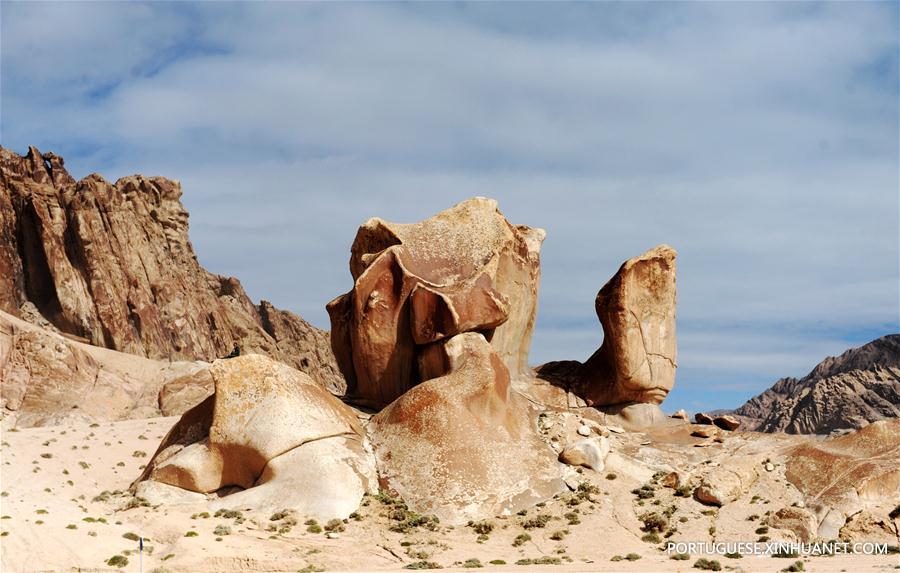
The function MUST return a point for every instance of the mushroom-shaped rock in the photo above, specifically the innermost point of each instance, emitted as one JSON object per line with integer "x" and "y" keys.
{"x": 464, "y": 270}
{"x": 637, "y": 360}
{"x": 463, "y": 445}
{"x": 274, "y": 432}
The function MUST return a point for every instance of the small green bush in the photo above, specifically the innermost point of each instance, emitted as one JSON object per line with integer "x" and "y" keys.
{"x": 117, "y": 561}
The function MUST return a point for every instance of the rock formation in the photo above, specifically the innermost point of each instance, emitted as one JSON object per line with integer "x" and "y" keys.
{"x": 48, "y": 379}
{"x": 860, "y": 386}
{"x": 112, "y": 264}
{"x": 844, "y": 475}
{"x": 635, "y": 365}
{"x": 274, "y": 432}
{"x": 464, "y": 270}
{"x": 463, "y": 445}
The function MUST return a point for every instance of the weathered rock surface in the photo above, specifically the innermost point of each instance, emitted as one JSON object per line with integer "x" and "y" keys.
{"x": 638, "y": 357}
{"x": 273, "y": 431}
{"x": 702, "y": 418}
{"x": 860, "y": 386}
{"x": 464, "y": 270}
{"x": 841, "y": 476}
{"x": 801, "y": 522}
{"x": 48, "y": 379}
{"x": 728, "y": 481}
{"x": 112, "y": 265}
{"x": 463, "y": 445}
{"x": 729, "y": 423}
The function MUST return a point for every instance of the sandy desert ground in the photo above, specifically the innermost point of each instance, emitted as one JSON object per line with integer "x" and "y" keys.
{"x": 66, "y": 507}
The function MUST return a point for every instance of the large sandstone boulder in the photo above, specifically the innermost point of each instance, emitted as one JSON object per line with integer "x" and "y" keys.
{"x": 464, "y": 445}
{"x": 464, "y": 270}
{"x": 728, "y": 481}
{"x": 274, "y": 432}
{"x": 49, "y": 379}
{"x": 111, "y": 263}
{"x": 637, "y": 360}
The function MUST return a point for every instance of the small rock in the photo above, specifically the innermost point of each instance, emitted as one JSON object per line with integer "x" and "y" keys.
{"x": 719, "y": 440}
{"x": 702, "y": 418}
{"x": 588, "y": 453}
{"x": 616, "y": 429}
{"x": 583, "y": 431}
{"x": 704, "y": 432}
{"x": 727, "y": 423}
{"x": 681, "y": 415}
{"x": 602, "y": 431}
{"x": 572, "y": 483}
{"x": 801, "y": 504}
{"x": 333, "y": 535}
{"x": 671, "y": 480}
{"x": 770, "y": 467}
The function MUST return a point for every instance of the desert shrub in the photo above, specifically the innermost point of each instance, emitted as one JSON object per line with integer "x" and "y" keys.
{"x": 228, "y": 514}
{"x": 334, "y": 525}
{"x": 680, "y": 557}
{"x": 191, "y": 534}
{"x": 611, "y": 476}
{"x": 472, "y": 563}
{"x": 222, "y": 530}
{"x": 707, "y": 564}
{"x": 423, "y": 565}
{"x": 538, "y": 521}
{"x": 497, "y": 562}
{"x": 652, "y": 538}
{"x": 559, "y": 535}
{"x": 632, "y": 557}
{"x": 482, "y": 527}
{"x": 573, "y": 518}
{"x": 117, "y": 561}
{"x": 521, "y": 539}
{"x": 654, "y": 522}
{"x": 409, "y": 520}
{"x": 130, "y": 536}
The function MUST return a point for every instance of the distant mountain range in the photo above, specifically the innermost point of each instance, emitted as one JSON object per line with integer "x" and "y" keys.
{"x": 849, "y": 391}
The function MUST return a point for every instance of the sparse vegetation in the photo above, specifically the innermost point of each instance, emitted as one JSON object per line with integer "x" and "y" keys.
{"x": 191, "y": 534}
{"x": 130, "y": 536}
{"x": 680, "y": 557}
{"x": 547, "y": 560}
{"x": 707, "y": 564}
{"x": 117, "y": 561}
{"x": 422, "y": 565}
{"x": 222, "y": 530}
{"x": 521, "y": 539}
{"x": 472, "y": 563}
{"x": 538, "y": 521}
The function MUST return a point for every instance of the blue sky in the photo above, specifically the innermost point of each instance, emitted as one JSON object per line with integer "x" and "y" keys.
{"x": 758, "y": 139}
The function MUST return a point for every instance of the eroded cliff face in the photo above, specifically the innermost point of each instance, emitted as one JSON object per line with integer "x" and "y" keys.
{"x": 112, "y": 264}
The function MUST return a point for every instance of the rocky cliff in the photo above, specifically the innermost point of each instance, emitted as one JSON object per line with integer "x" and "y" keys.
{"x": 111, "y": 264}
{"x": 860, "y": 386}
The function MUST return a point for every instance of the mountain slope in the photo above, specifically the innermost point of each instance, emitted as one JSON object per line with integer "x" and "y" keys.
{"x": 111, "y": 264}
{"x": 860, "y": 386}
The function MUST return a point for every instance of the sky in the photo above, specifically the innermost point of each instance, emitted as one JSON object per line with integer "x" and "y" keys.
{"x": 758, "y": 139}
